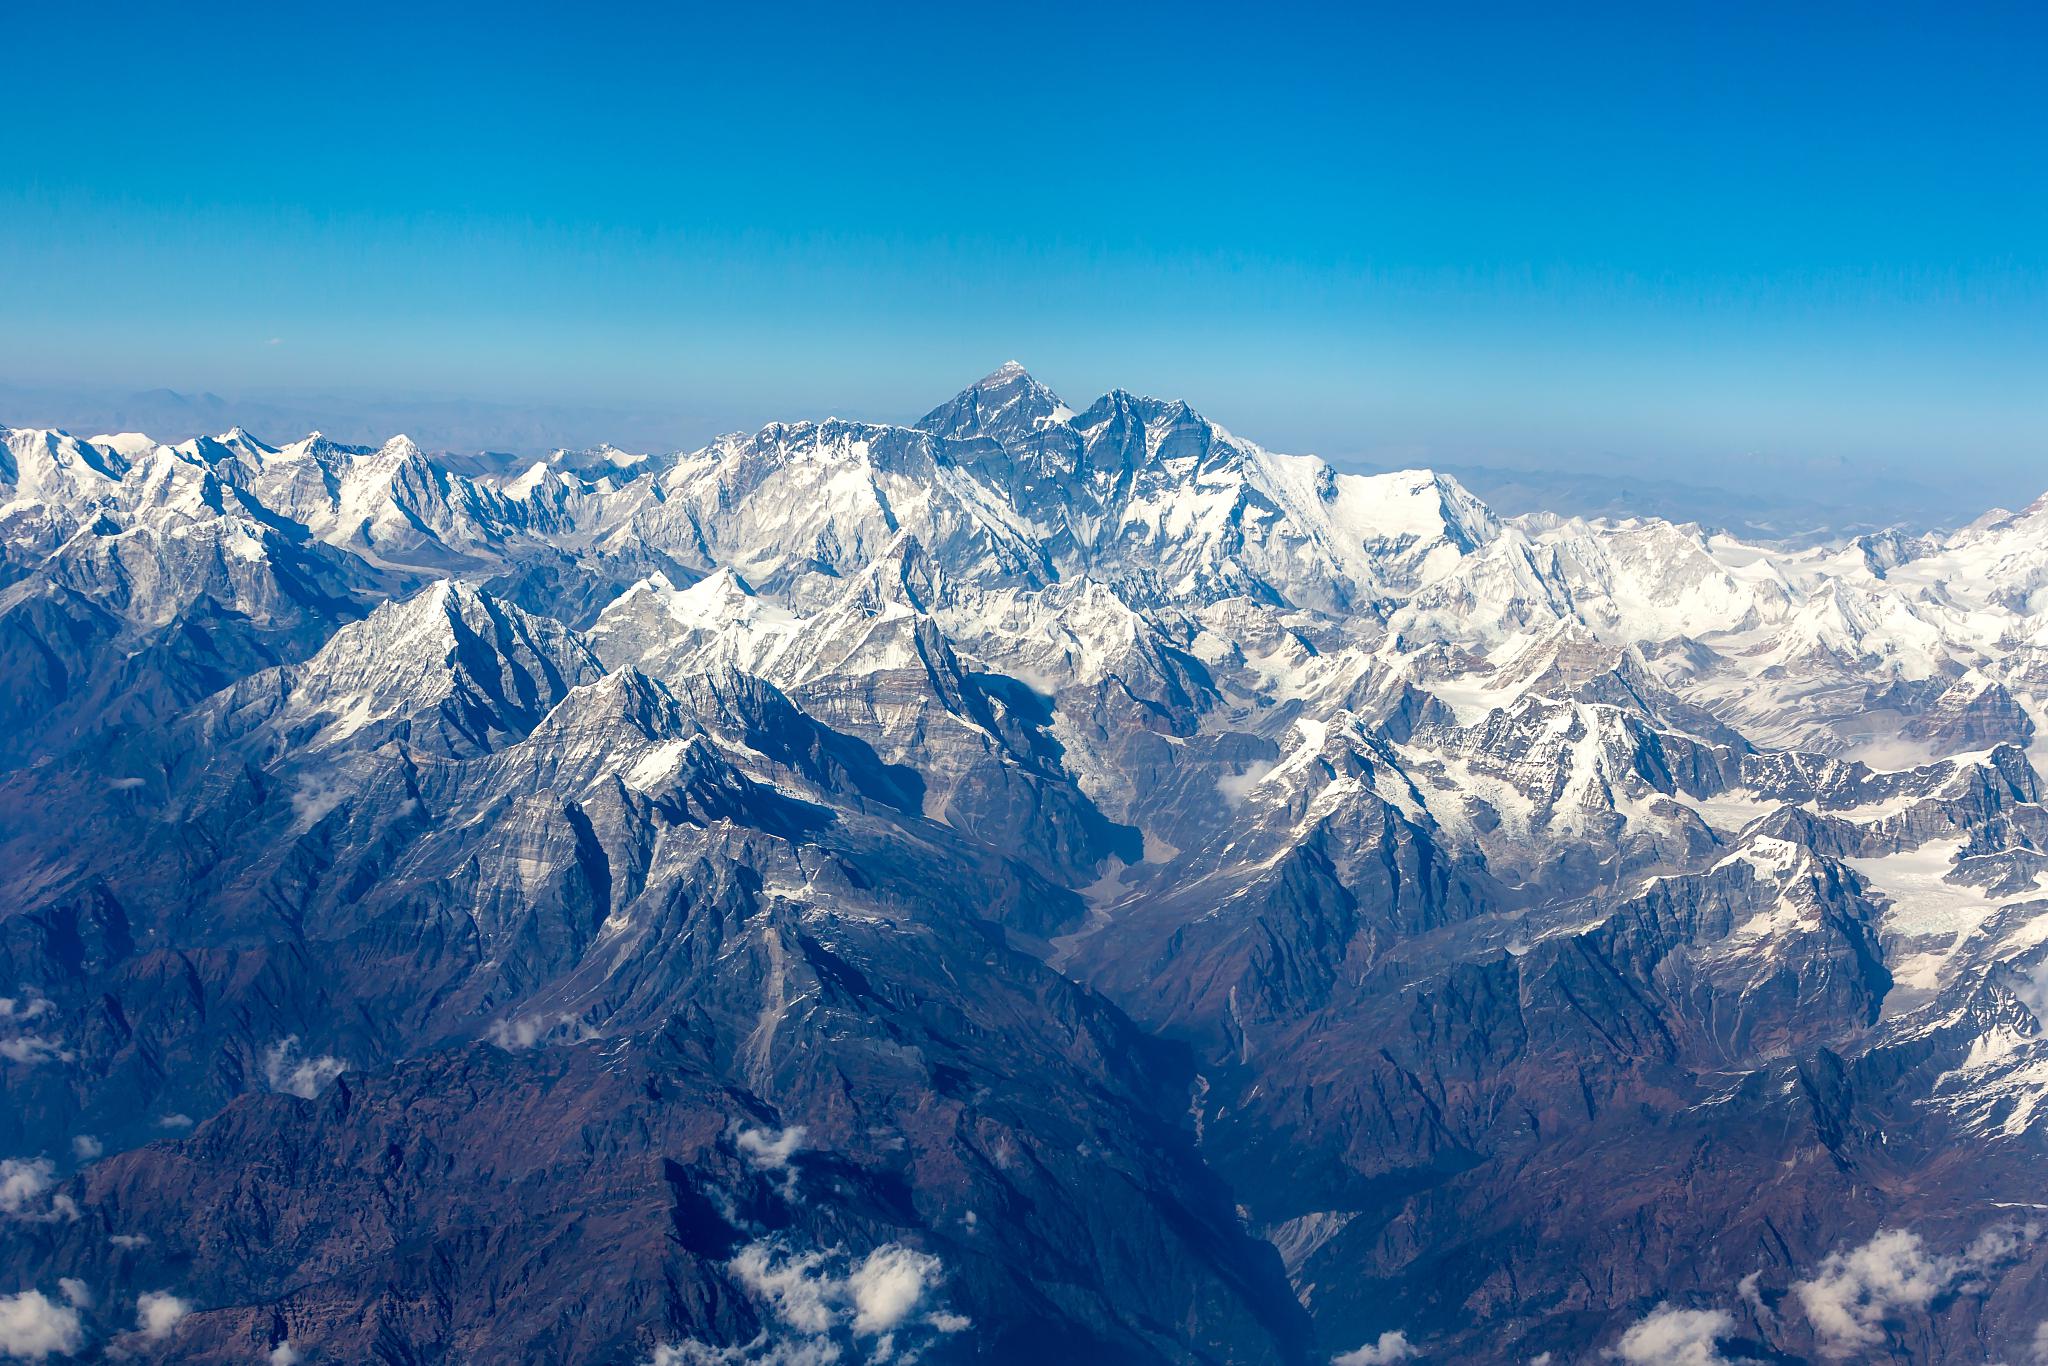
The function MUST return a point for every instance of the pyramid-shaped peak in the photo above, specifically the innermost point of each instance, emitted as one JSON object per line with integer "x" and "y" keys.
{"x": 1002, "y": 374}
{"x": 721, "y": 599}
{"x": 486, "y": 668}
{"x": 239, "y": 440}
{"x": 721, "y": 585}
{"x": 1005, "y": 402}
{"x": 434, "y": 612}
{"x": 455, "y": 621}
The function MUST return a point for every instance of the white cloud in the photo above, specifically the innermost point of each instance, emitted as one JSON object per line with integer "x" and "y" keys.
{"x": 769, "y": 1150}
{"x": 1670, "y": 1336}
{"x": 129, "y": 1241}
{"x": 24, "y": 1181}
{"x": 174, "y": 1121}
{"x": 801, "y": 1294}
{"x": 85, "y": 1147}
{"x": 887, "y": 1285}
{"x": 30, "y": 1049}
{"x": 34, "y": 1326}
{"x": 823, "y": 1303}
{"x": 2039, "y": 1354}
{"x": 284, "y": 1354}
{"x": 28, "y": 1190}
{"x": 1852, "y": 1294}
{"x": 762, "y": 1351}
{"x": 76, "y": 1292}
{"x": 527, "y": 1030}
{"x": 159, "y": 1312}
{"x": 1392, "y": 1346}
{"x": 285, "y": 1069}
{"x": 1751, "y": 1296}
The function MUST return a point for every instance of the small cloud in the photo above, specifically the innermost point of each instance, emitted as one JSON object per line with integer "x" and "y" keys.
{"x": 23, "y": 1181}
{"x": 765, "y": 1350}
{"x": 35, "y": 1327}
{"x": 769, "y": 1150}
{"x": 86, "y": 1148}
{"x": 284, "y": 1354}
{"x": 28, "y": 1191}
{"x": 760, "y": 1352}
{"x": 801, "y": 1294}
{"x": 317, "y": 796}
{"x": 824, "y": 1304}
{"x": 1751, "y": 1296}
{"x": 771, "y": 1350}
{"x": 287, "y": 1070}
{"x": 76, "y": 1292}
{"x": 1671, "y": 1336}
{"x": 129, "y": 1241}
{"x": 887, "y": 1285}
{"x": 31, "y": 1049}
{"x": 527, "y": 1030}
{"x": 274, "y": 341}
{"x": 27, "y": 1006}
{"x": 1392, "y": 1346}
{"x": 174, "y": 1121}
{"x": 1853, "y": 1293}
{"x": 158, "y": 1313}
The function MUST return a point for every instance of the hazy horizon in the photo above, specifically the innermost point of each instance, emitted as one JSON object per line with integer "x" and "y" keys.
{"x": 1751, "y": 493}
{"x": 1722, "y": 246}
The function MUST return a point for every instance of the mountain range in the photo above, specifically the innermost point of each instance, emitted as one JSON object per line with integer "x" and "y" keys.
{"x": 1034, "y": 880}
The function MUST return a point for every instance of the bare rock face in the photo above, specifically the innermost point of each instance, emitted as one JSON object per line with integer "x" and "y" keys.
{"x": 1037, "y": 881}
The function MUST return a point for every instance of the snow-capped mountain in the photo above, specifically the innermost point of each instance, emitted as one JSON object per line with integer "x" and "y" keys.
{"x": 1039, "y": 877}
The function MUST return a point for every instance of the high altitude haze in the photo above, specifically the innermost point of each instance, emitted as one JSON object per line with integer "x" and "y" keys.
{"x": 1636, "y": 240}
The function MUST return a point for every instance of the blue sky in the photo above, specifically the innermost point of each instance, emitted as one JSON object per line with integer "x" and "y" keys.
{"x": 1641, "y": 237}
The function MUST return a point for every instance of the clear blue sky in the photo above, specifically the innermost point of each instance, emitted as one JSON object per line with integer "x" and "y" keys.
{"x": 1663, "y": 233}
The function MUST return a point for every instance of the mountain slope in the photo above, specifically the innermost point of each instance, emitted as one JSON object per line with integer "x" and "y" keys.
{"x": 1034, "y": 879}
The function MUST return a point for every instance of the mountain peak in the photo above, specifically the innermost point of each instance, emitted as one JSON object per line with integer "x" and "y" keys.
{"x": 902, "y": 574}
{"x": 1006, "y": 401}
{"x": 238, "y": 440}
